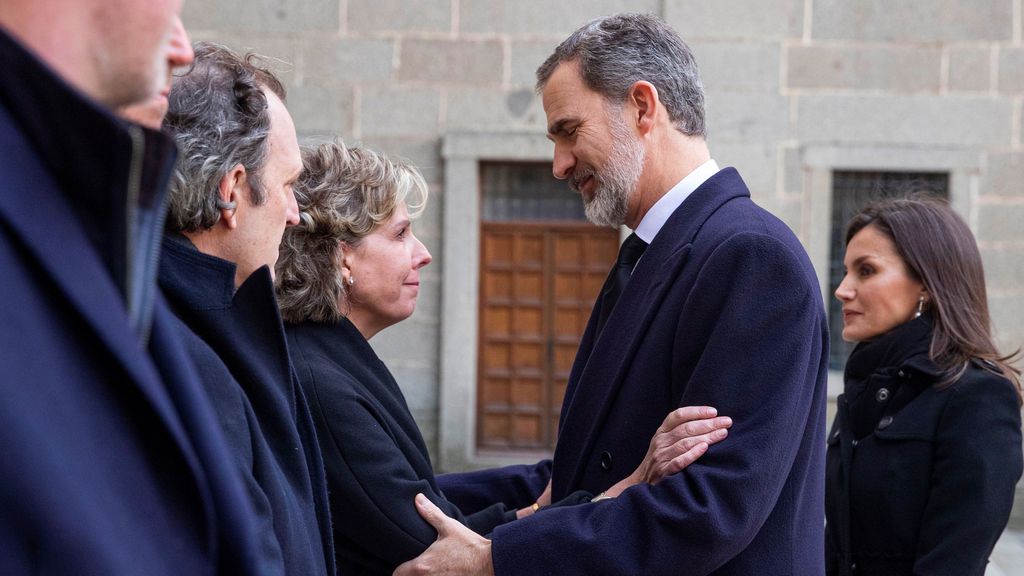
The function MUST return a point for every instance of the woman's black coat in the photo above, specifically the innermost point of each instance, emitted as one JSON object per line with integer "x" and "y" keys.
{"x": 919, "y": 479}
{"x": 373, "y": 451}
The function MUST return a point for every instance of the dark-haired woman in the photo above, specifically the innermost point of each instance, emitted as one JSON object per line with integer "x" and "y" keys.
{"x": 925, "y": 450}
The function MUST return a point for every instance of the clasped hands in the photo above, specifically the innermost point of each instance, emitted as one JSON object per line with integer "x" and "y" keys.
{"x": 683, "y": 437}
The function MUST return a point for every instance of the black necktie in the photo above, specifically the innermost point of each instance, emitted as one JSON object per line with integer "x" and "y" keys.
{"x": 629, "y": 254}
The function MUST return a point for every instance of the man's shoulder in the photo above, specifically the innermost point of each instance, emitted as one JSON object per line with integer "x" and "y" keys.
{"x": 213, "y": 374}
{"x": 721, "y": 207}
{"x": 740, "y": 216}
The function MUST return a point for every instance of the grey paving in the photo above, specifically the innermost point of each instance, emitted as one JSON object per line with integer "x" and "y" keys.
{"x": 1008, "y": 557}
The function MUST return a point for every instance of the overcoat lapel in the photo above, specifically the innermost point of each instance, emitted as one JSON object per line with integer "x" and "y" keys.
{"x": 603, "y": 362}
{"x": 81, "y": 278}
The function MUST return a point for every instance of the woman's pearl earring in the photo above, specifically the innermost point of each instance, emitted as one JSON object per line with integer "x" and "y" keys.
{"x": 351, "y": 280}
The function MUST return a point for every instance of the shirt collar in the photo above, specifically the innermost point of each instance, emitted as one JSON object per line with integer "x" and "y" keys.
{"x": 656, "y": 217}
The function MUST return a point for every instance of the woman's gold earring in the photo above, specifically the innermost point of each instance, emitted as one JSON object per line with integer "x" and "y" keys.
{"x": 920, "y": 307}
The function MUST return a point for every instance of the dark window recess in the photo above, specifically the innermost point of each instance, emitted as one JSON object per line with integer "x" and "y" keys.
{"x": 851, "y": 191}
{"x": 526, "y": 191}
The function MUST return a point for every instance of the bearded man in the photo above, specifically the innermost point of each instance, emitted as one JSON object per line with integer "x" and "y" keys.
{"x": 713, "y": 302}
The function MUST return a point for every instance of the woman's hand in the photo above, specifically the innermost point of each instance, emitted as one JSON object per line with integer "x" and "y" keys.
{"x": 543, "y": 500}
{"x": 683, "y": 437}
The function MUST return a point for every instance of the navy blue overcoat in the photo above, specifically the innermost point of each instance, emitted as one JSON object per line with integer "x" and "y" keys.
{"x": 723, "y": 309}
{"x": 237, "y": 342}
{"x": 111, "y": 459}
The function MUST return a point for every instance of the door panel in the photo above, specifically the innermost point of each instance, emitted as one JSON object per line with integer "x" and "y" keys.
{"x": 538, "y": 284}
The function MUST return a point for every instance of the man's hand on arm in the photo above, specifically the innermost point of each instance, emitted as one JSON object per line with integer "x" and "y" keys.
{"x": 457, "y": 550}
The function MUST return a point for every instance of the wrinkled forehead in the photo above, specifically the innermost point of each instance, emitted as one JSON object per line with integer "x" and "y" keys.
{"x": 566, "y": 97}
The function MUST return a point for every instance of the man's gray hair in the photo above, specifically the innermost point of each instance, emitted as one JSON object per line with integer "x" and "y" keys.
{"x": 617, "y": 51}
{"x": 218, "y": 114}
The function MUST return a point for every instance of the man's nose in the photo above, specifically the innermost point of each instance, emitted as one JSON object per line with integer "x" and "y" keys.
{"x": 293, "y": 209}
{"x": 564, "y": 162}
{"x": 180, "y": 48}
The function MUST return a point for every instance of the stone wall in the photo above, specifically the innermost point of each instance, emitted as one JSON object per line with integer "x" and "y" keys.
{"x": 795, "y": 89}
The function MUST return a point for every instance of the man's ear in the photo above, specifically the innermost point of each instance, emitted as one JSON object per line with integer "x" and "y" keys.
{"x": 644, "y": 103}
{"x": 233, "y": 186}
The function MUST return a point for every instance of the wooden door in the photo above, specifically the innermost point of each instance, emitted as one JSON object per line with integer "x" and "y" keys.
{"x": 537, "y": 288}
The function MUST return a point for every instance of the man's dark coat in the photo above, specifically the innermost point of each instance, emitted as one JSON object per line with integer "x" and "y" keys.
{"x": 723, "y": 310}
{"x": 237, "y": 342}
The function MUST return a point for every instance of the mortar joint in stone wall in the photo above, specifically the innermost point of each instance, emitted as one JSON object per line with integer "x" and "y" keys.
{"x": 990, "y": 200}
{"x": 442, "y": 110}
{"x": 1018, "y": 21}
{"x": 1018, "y": 112}
{"x": 944, "y": 70}
{"x": 993, "y": 68}
{"x": 456, "y": 11}
{"x": 357, "y": 112}
{"x": 973, "y": 194}
{"x": 794, "y": 113}
{"x": 784, "y": 67}
{"x": 808, "y": 21}
{"x": 506, "y": 63}
{"x": 396, "y": 57}
{"x": 780, "y": 170}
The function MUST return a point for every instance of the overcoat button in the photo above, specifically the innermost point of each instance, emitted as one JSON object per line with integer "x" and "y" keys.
{"x": 882, "y": 395}
{"x": 902, "y": 374}
{"x": 854, "y": 442}
{"x": 884, "y": 422}
{"x": 606, "y": 460}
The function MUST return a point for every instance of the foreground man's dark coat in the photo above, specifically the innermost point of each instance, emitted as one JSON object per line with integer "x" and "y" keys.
{"x": 111, "y": 459}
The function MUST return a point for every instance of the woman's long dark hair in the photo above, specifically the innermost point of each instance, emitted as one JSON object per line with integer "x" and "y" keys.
{"x": 939, "y": 251}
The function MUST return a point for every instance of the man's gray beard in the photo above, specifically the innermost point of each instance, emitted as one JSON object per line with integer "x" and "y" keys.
{"x": 617, "y": 180}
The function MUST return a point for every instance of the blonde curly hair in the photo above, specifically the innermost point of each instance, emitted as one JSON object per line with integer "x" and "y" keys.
{"x": 343, "y": 194}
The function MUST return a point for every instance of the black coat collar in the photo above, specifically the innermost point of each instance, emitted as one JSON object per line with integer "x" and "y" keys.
{"x": 242, "y": 326}
{"x": 884, "y": 375}
{"x": 905, "y": 346}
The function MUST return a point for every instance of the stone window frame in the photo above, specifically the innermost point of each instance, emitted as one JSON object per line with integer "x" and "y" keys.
{"x": 462, "y": 154}
{"x": 818, "y": 161}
